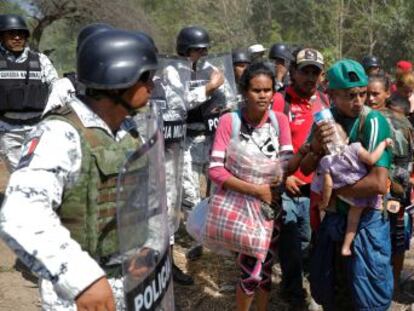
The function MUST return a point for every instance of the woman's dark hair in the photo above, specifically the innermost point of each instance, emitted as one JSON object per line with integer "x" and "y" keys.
{"x": 254, "y": 70}
{"x": 401, "y": 102}
{"x": 384, "y": 79}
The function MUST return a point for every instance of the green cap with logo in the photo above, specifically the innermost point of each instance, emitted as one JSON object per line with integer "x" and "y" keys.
{"x": 346, "y": 74}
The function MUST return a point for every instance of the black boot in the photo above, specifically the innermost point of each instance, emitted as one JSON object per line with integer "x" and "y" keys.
{"x": 195, "y": 252}
{"x": 180, "y": 277}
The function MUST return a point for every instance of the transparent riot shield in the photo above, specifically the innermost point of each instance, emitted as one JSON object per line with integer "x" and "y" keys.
{"x": 142, "y": 222}
{"x": 224, "y": 98}
{"x": 171, "y": 82}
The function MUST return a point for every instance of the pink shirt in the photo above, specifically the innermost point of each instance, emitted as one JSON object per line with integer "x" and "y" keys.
{"x": 217, "y": 172}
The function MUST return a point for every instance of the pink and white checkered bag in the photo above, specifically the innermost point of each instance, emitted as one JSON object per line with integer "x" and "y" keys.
{"x": 235, "y": 221}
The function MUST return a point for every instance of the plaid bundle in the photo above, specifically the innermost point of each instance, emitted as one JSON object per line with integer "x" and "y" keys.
{"x": 251, "y": 165}
{"x": 235, "y": 220}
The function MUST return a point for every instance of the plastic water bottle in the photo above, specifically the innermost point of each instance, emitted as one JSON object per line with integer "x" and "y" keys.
{"x": 336, "y": 146}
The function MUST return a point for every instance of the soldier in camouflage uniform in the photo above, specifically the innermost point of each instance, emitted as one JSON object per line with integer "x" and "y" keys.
{"x": 193, "y": 42}
{"x": 59, "y": 211}
{"x": 25, "y": 81}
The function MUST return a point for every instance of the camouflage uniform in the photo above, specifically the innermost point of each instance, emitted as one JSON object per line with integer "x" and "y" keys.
{"x": 200, "y": 130}
{"x": 53, "y": 188}
{"x": 12, "y": 134}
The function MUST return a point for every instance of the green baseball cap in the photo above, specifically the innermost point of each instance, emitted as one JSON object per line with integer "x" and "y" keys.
{"x": 346, "y": 74}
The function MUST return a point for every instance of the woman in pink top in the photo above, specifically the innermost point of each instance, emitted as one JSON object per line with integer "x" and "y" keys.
{"x": 257, "y": 132}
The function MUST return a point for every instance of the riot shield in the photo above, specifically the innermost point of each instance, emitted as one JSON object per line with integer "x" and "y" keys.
{"x": 171, "y": 82}
{"x": 142, "y": 222}
{"x": 224, "y": 98}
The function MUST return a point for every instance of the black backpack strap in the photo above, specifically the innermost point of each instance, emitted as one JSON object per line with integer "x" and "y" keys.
{"x": 287, "y": 98}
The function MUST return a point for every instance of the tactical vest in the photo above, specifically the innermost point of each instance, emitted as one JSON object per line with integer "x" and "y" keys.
{"x": 21, "y": 86}
{"x": 88, "y": 209}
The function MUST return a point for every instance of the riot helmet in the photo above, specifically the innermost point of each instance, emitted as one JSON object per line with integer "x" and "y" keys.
{"x": 192, "y": 37}
{"x": 13, "y": 22}
{"x": 370, "y": 61}
{"x": 114, "y": 59}
{"x": 240, "y": 56}
{"x": 147, "y": 38}
{"x": 281, "y": 51}
{"x": 89, "y": 30}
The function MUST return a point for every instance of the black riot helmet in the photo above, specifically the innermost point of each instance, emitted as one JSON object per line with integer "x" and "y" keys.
{"x": 146, "y": 38}
{"x": 13, "y": 22}
{"x": 192, "y": 37}
{"x": 370, "y": 61}
{"x": 89, "y": 30}
{"x": 240, "y": 56}
{"x": 282, "y": 51}
{"x": 114, "y": 59}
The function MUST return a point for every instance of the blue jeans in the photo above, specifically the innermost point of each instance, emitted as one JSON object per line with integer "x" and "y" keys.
{"x": 294, "y": 242}
{"x": 361, "y": 282}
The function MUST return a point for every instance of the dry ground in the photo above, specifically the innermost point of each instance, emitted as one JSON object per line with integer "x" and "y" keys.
{"x": 215, "y": 278}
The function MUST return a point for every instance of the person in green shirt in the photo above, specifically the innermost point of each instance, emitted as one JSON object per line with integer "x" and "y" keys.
{"x": 366, "y": 276}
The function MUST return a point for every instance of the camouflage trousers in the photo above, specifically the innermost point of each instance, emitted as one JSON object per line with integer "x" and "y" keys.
{"x": 11, "y": 141}
{"x": 196, "y": 158}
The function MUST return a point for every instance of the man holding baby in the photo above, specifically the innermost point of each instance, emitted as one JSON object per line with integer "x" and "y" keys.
{"x": 366, "y": 275}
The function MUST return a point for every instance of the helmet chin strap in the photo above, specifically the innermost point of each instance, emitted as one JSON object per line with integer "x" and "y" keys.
{"x": 119, "y": 100}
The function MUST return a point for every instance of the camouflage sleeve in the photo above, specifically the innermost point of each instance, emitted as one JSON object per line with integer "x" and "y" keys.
{"x": 60, "y": 94}
{"x": 49, "y": 73}
{"x": 175, "y": 95}
{"x": 50, "y": 164}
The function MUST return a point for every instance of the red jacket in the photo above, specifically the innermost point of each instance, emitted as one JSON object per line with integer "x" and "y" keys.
{"x": 300, "y": 113}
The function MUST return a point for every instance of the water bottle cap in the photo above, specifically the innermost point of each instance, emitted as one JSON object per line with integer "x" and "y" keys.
{"x": 323, "y": 115}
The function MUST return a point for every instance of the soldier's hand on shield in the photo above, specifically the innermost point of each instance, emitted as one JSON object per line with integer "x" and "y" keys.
{"x": 142, "y": 262}
{"x": 216, "y": 80}
{"x": 97, "y": 296}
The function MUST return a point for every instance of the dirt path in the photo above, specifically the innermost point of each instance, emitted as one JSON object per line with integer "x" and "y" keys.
{"x": 16, "y": 293}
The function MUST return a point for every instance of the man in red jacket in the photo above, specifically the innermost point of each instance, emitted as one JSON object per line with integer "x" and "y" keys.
{"x": 300, "y": 101}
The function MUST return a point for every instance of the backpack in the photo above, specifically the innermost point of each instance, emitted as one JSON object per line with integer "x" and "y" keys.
{"x": 236, "y": 122}
{"x": 402, "y": 151}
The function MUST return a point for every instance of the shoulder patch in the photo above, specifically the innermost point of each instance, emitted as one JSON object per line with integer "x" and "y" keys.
{"x": 32, "y": 141}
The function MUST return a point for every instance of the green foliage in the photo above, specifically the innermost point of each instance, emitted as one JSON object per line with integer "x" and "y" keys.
{"x": 8, "y": 7}
{"x": 339, "y": 28}
{"x": 60, "y": 39}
